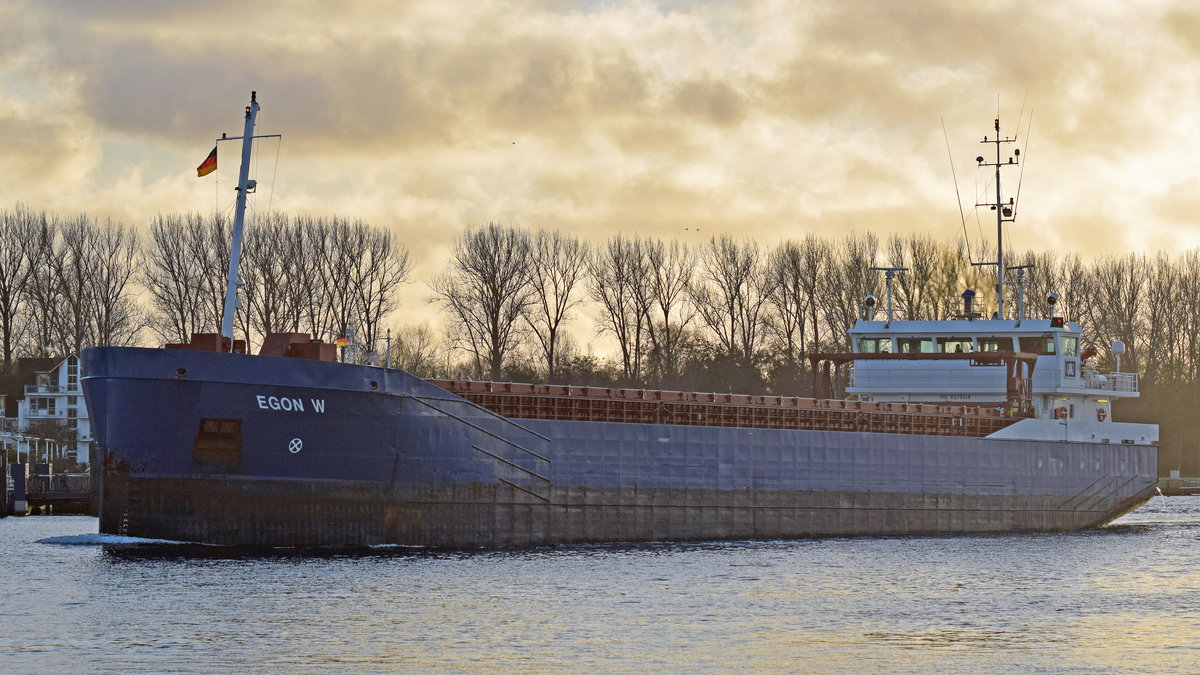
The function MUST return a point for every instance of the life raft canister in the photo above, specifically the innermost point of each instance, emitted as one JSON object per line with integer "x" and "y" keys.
{"x": 1101, "y": 414}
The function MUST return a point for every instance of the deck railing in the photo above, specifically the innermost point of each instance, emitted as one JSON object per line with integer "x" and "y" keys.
{"x": 52, "y": 389}
{"x": 1093, "y": 379}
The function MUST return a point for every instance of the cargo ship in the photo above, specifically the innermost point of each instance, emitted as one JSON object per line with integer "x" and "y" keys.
{"x": 966, "y": 425}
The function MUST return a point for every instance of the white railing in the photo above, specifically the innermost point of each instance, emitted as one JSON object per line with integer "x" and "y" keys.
{"x": 51, "y": 389}
{"x": 1111, "y": 381}
{"x": 954, "y": 308}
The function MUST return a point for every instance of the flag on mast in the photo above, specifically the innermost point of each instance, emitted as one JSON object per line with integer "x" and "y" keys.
{"x": 209, "y": 164}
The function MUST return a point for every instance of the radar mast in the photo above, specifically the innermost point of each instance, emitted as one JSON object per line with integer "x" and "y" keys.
{"x": 1004, "y": 211}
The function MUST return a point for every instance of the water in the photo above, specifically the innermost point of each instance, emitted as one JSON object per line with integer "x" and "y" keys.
{"x": 1124, "y": 598}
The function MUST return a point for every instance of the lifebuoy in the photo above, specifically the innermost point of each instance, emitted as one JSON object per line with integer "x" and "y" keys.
{"x": 1101, "y": 414}
{"x": 1060, "y": 413}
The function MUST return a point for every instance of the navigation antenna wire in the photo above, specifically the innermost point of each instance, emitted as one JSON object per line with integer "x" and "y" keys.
{"x": 1021, "y": 176}
{"x": 1021, "y": 114}
{"x": 252, "y": 204}
{"x": 274, "y": 173}
{"x": 957, "y": 194}
{"x": 979, "y": 223}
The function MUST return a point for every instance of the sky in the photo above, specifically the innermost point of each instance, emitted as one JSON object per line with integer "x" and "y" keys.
{"x": 762, "y": 118}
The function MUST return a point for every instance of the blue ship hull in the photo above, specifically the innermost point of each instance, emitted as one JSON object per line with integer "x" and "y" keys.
{"x": 270, "y": 451}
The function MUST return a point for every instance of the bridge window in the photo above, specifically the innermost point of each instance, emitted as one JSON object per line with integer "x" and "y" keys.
{"x": 954, "y": 345}
{"x": 1070, "y": 346}
{"x": 873, "y": 345}
{"x": 1038, "y": 344}
{"x": 995, "y": 344}
{"x": 915, "y": 345}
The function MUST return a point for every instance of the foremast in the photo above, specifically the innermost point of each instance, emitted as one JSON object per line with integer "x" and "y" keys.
{"x": 245, "y": 185}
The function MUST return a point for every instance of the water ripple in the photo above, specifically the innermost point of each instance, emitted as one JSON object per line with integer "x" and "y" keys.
{"x": 1099, "y": 601}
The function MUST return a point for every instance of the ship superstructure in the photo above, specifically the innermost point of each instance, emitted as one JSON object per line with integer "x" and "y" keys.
{"x": 1070, "y": 399}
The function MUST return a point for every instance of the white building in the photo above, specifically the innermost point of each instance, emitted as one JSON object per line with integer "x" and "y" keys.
{"x": 54, "y": 397}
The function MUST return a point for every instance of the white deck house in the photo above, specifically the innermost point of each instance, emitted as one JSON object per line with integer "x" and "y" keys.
{"x": 1072, "y": 400}
{"x": 55, "y": 397}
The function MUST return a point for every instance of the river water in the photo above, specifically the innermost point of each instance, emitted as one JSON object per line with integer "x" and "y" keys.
{"x": 1125, "y": 598}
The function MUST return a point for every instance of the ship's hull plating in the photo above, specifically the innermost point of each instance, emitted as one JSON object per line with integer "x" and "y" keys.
{"x": 260, "y": 451}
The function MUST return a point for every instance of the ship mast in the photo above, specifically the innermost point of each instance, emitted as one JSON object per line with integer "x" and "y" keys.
{"x": 1004, "y": 212}
{"x": 245, "y": 186}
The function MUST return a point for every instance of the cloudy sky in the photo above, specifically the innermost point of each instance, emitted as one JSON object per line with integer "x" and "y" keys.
{"x": 673, "y": 119}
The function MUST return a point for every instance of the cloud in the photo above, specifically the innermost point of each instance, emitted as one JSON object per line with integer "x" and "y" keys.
{"x": 763, "y": 118}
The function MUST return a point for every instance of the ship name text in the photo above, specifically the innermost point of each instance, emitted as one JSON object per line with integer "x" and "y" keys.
{"x": 289, "y": 404}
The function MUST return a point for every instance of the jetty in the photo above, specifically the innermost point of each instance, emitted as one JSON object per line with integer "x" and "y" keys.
{"x": 1175, "y": 485}
{"x": 35, "y": 490}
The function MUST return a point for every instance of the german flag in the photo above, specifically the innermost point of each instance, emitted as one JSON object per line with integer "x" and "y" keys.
{"x": 209, "y": 164}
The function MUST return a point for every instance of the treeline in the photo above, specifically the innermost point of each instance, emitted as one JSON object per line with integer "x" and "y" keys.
{"x": 730, "y": 314}
{"x": 726, "y": 314}
{"x": 67, "y": 284}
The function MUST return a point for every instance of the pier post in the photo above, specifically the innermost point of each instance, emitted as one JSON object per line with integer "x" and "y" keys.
{"x": 19, "y": 503}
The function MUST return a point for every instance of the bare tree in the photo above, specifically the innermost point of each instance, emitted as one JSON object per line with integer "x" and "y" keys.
{"x": 730, "y": 293}
{"x": 1188, "y": 267}
{"x": 347, "y": 245}
{"x": 916, "y": 294}
{"x": 418, "y": 350}
{"x": 795, "y": 272}
{"x": 211, "y": 245}
{"x": 74, "y": 252}
{"x": 83, "y": 293}
{"x": 662, "y": 296}
{"x": 816, "y": 257}
{"x": 173, "y": 279}
{"x": 20, "y": 257}
{"x": 800, "y": 272}
{"x": 616, "y": 271}
{"x": 1167, "y": 340}
{"x": 1072, "y": 278}
{"x": 486, "y": 290}
{"x": 43, "y": 290}
{"x": 849, "y": 282}
{"x": 117, "y": 318}
{"x": 559, "y": 265}
{"x": 383, "y": 267}
{"x": 1113, "y": 308}
{"x": 1040, "y": 282}
{"x": 318, "y": 314}
{"x": 270, "y": 271}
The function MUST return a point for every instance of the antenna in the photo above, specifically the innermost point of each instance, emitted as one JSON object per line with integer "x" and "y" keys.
{"x": 1020, "y": 269}
{"x": 1021, "y": 176}
{"x": 957, "y": 194}
{"x": 1004, "y": 211}
{"x": 890, "y": 274}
